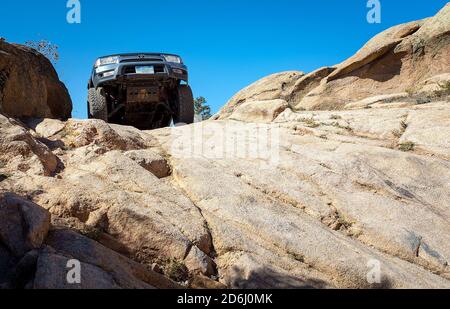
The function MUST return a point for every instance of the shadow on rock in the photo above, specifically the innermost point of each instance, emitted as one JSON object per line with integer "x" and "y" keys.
{"x": 267, "y": 278}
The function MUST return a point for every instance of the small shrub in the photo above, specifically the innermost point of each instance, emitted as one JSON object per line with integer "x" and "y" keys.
{"x": 445, "y": 87}
{"x": 410, "y": 91}
{"x": 299, "y": 109}
{"x": 46, "y": 48}
{"x": 297, "y": 256}
{"x": 423, "y": 99}
{"x": 406, "y": 146}
{"x": 177, "y": 271}
{"x": 91, "y": 232}
{"x": 310, "y": 122}
{"x": 338, "y": 125}
{"x": 335, "y": 117}
{"x": 313, "y": 125}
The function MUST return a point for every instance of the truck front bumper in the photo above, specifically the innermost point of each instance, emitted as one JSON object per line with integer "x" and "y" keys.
{"x": 126, "y": 72}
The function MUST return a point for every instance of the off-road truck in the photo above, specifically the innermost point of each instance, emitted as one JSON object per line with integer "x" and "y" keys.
{"x": 144, "y": 90}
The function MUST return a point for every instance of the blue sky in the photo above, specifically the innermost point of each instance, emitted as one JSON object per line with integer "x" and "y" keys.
{"x": 227, "y": 44}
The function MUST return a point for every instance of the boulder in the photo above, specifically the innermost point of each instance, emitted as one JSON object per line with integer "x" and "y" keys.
{"x": 408, "y": 60}
{"x": 100, "y": 266}
{"x": 198, "y": 262}
{"x": 395, "y": 61}
{"x": 276, "y": 86}
{"x": 23, "y": 228}
{"x": 29, "y": 85}
{"x": 76, "y": 134}
{"x": 52, "y": 271}
{"x": 33, "y": 257}
{"x": 23, "y": 224}
{"x": 259, "y": 111}
{"x": 22, "y": 152}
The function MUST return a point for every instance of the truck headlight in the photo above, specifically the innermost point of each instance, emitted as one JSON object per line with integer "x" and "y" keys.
{"x": 107, "y": 60}
{"x": 173, "y": 59}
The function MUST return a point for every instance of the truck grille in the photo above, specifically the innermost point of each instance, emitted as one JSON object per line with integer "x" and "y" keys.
{"x": 141, "y": 60}
{"x": 132, "y": 69}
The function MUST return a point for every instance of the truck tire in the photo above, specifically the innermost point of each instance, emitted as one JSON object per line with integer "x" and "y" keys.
{"x": 97, "y": 104}
{"x": 185, "y": 105}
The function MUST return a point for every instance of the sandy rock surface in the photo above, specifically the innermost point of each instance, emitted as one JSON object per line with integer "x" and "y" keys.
{"x": 330, "y": 193}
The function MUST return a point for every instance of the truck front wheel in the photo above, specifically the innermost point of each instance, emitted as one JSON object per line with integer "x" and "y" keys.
{"x": 185, "y": 105}
{"x": 97, "y": 104}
